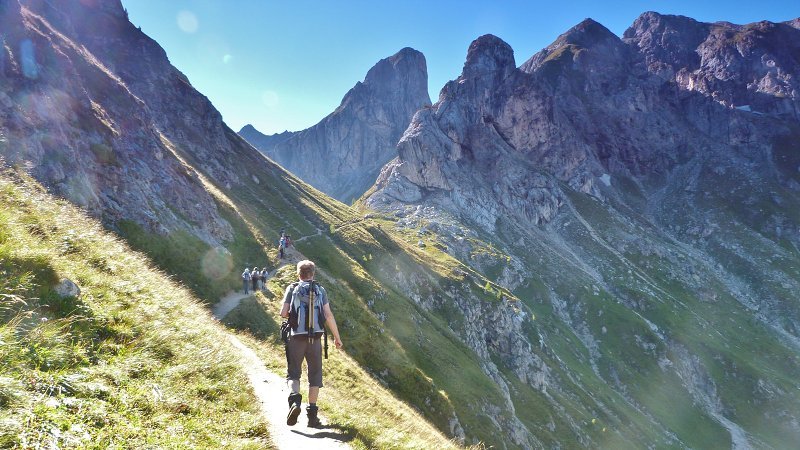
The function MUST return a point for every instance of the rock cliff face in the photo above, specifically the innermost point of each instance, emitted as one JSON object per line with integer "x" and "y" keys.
{"x": 629, "y": 177}
{"x": 343, "y": 154}
{"x": 589, "y": 104}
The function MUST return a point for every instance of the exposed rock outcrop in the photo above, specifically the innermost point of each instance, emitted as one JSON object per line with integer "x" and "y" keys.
{"x": 67, "y": 288}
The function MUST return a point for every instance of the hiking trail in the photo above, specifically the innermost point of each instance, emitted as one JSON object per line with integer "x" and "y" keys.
{"x": 272, "y": 392}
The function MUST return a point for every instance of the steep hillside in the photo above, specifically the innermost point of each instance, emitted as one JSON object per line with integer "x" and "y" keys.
{"x": 343, "y": 154}
{"x": 649, "y": 224}
{"x": 92, "y": 108}
{"x": 134, "y": 360}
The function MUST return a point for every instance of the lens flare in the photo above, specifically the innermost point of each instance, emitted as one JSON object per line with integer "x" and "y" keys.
{"x": 187, "y": 21}
{"x": 270, "y": 98}
{"x": 217, "y": 263}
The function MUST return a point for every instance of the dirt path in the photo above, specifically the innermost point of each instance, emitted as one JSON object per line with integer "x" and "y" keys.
{"x": 272, "y": 392}
{"x": 227, "y": 304}
{"x": 232, "y": 299}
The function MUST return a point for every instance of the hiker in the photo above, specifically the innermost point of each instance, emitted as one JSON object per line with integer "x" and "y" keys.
{"x": 264, "y": 276}
{"x": 289, "y": 241}
{"x": 282, "y": 245}
{"x": 246, "y": 280}
{"x": 254, "y": 277}
{"x": 307, "y": 328}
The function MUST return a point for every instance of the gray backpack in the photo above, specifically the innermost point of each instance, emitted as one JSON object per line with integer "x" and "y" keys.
{"x": 299, "y": 309}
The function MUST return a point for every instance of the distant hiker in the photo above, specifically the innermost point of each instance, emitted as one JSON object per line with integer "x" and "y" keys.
{"x": 264, "y": 276}
{"x": 306, "y": 305}
{"x": 289, "y": 241}
{"x": 246, "y": 280}
{"x": 254, "y": 277}
{"x": 282, "y": 245}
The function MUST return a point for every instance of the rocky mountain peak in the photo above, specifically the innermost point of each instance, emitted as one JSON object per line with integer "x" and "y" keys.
{"x": 604, "y": 47}
{"x": 586, "y": 34}
{"x": 391, "y": 79}
{"x": 249, "y": 128}
{"x": 408, "y": 64}
{"x": 488, "y": 54}
{"x": 343, "y": 154}
{"x": 650, "y": 21}
{"x": 407, "y": 59}
{"x": 666, "y": 41}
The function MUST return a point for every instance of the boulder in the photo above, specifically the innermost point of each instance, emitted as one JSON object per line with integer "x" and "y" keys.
{"x": 67, "y": 288}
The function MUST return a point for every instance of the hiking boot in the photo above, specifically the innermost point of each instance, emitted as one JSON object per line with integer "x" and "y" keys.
{"x": 294, "y": 408}
{"x": 313, "y": 420}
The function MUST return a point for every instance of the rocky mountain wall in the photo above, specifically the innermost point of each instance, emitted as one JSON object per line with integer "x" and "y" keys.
{"x": 630, "y": 177}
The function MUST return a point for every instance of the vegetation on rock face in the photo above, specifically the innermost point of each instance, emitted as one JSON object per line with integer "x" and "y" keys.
{"x": 134, "y": 361}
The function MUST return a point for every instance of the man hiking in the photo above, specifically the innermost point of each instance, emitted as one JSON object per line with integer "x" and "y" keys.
{"x": 306, "y": 305}
{"x": 246, "y": 280}
{"x": 282, "y": 246}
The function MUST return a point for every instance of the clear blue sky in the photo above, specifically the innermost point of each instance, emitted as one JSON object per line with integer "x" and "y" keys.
{"x": 286, "y": 64}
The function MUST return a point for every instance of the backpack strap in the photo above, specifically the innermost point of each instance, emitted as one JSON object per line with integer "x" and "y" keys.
{"x": 291, "y": 292}
{"x": 292, "y": 309}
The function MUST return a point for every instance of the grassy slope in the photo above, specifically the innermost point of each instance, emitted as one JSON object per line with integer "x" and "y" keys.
{"x": 411, "y": 353}
{"x": 352, "y": 398}
{"x": 135, "y": 361}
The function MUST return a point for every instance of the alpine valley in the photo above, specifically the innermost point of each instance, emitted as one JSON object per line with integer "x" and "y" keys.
{"x": 599, "y": 248}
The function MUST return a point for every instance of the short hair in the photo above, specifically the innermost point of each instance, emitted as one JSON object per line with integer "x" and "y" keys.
{"x": 305, "y": 269}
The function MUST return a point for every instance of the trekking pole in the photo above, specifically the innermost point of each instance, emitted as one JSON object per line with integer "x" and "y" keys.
{"x": 325, "y": 336}
{"x": 285, "y": 338}
{"x": 310, "y": 326}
